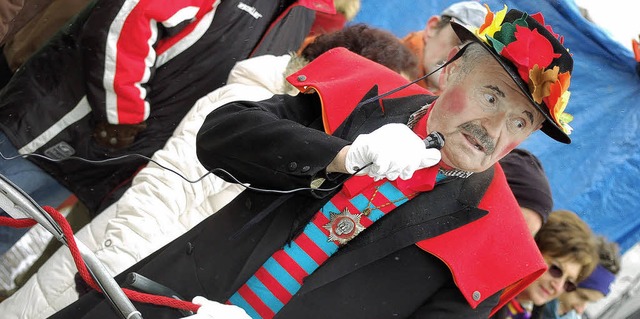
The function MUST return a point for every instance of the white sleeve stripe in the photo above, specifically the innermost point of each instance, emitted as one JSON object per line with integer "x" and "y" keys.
{"x": 148, "y": 62}
{"x": 184, "y": 14}
{"x": 79, "y": 111}
{"x": 187, "y": 41}
{"x": 110, "y": 63}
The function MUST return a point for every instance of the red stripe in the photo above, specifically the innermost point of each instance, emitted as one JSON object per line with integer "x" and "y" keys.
{"x": 290, "y": 265}
{"x": 255, "y": 302}
{"x": 341, "y": 200}
{"x": 379, "y": 199}
{"x": 133, "y": 47}
{"x": 320, "y": 220}
{"x": 274, "y": 285}
{"x": 310, "y": 247}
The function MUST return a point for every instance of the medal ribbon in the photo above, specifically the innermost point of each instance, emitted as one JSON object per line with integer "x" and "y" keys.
{"x": 337, "y": 222}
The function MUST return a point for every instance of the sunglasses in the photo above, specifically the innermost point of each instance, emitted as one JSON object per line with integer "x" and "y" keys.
{"x": 556, "y": 272}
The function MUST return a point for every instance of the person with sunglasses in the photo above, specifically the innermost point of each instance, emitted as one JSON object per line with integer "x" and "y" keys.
{"x": 570, "y": 251}
{"x": 572, "y": 305}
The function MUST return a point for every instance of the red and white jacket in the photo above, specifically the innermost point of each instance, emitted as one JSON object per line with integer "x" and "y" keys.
{"x": 129, "y": 61}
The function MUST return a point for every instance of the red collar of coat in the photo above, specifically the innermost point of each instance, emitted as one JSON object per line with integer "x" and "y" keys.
{"x": 491, "y": 254}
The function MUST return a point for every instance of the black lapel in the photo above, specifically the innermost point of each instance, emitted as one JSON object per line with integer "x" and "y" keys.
{"x": 450, "y": 205}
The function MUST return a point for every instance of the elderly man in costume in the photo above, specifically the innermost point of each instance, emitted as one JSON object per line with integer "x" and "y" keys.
{"x": 416, "y": 233}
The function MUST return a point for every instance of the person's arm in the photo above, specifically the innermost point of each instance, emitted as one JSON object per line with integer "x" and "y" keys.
{"x": 337, "y": 165}
{"x": 282, "y": 140}
{"x": 122, "y": 39}
{"x": 277, "y": 143}
{"x": 123, "y": 43}
{"x": 448, "y": 303}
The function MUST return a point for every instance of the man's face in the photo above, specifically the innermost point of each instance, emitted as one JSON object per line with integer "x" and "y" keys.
{"x": 438, "y": 43}
{"x": 578, "y": 300}
{"x": 482, "y": 115}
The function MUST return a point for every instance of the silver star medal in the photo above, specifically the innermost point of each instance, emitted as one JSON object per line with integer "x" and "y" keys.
{"x": 343, "y": 227}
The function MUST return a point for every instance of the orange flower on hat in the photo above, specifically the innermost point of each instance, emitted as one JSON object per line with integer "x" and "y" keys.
{"x": 557, "y": 101}
{"x": 492, "y": 23}
{"x": 540, "y": 81}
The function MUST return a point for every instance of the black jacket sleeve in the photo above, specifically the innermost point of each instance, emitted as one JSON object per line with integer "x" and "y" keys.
{"x": 278, "y": 143}
{"x": 449, "y": 303}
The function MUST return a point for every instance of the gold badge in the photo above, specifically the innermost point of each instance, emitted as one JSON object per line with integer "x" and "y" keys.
{"x": 343, "y": 227}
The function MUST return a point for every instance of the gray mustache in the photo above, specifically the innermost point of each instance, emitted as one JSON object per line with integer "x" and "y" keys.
{"x": 481, "y": 135}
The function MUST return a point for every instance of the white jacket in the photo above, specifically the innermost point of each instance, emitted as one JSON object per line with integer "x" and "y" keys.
{"x": 160, "y": 205}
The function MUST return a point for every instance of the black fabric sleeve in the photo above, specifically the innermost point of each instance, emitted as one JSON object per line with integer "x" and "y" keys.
{"x": 449, "y": 303}
{"x": 278, "y": 143}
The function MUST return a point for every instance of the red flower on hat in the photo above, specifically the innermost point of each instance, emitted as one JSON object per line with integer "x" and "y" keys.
{"x": 530, "y": 49}
{"x": 538, "y": 17}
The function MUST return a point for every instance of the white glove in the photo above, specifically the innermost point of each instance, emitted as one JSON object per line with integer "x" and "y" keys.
{"x": 393, "y": 150}
{"x": 215, "y": 310}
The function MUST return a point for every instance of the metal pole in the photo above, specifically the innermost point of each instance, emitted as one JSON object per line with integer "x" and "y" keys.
{"x": 18, "y": 204}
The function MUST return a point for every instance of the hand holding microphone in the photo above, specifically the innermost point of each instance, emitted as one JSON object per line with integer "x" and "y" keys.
{"x": 392, "y": 151}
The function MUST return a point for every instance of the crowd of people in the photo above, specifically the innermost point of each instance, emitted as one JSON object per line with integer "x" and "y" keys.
{"x": 354, "y": 174}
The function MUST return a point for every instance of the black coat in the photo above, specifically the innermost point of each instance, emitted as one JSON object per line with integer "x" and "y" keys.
{"x": 379, "y": 274}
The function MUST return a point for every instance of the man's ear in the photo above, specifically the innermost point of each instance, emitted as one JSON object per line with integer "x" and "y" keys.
{"x": 444, "y": 77}
{"x": 430, "y": 28}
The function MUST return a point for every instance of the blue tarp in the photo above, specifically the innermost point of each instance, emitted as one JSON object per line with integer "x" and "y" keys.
{"x": 596, "y": 175}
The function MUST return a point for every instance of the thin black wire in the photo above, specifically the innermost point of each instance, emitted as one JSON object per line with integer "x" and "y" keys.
{"x": 220, "y": 170}
{"x": 402, "y": 87}
{"x": 212, "y": 171}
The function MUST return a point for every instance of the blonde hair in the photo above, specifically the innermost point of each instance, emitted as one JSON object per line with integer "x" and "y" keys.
{"x": 565, "y": 235}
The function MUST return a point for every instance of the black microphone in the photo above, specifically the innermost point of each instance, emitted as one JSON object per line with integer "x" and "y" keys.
{"x": 434, "y": 140}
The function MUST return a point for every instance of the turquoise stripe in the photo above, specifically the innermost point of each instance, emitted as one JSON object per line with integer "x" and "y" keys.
{"x": 319, "y": 238}
{"x": 237, "y": 300}
{"x": 375, "y": 215}
{"x": 329, "y": 208}
{"x": 264, "y": 294}
{"x": 284, "y": 278}
{"x": 300, "y": 256}
{"x": 360, "y": 202}
{"x": 440, "y": 177}
{"x": 392, "y": 193}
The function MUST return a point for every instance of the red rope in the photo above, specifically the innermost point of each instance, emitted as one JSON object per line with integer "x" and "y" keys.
{"x": 16, "y": 223}
{"x": 82, "y": 267}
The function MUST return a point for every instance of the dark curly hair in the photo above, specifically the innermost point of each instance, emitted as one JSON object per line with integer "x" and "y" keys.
{"x": 374, "y": 44}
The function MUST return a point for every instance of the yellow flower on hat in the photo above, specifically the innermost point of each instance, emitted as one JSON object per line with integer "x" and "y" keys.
{"x": 564, "y": 120}
{"x": 557, "y": 101}
{"x": 492, "y": 23}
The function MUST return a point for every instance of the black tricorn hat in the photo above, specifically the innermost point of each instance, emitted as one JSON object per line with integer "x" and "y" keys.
{"x": 535, "y": 58}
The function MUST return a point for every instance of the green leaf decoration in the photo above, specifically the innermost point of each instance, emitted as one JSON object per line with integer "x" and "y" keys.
{"x": 497, "y": 45}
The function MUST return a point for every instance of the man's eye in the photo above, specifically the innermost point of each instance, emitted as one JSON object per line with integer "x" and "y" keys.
{"x": 519, "y": 123}
{"x": 490, "y": 98}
